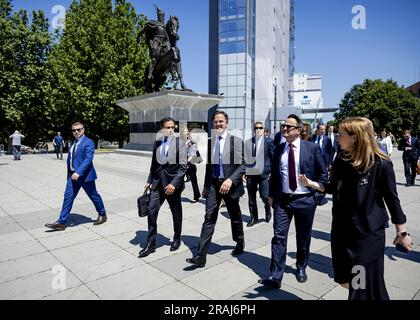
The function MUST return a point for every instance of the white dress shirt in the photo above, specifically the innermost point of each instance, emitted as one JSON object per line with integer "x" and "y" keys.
{"x": 73, "y": 150}
{"x": 284, "y": 164}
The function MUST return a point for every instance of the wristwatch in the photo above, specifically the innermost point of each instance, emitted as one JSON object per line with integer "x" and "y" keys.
{"x": 403, "y": 234}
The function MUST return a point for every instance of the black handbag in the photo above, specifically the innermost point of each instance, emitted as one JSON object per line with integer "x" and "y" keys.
{"x": 143, "y": 203}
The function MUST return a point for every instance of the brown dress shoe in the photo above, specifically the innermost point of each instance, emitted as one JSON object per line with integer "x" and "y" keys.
{"x": 100, "y": 220}
{"x": 56, "y": 226}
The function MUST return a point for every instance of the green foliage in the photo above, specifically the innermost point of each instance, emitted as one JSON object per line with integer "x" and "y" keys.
{"x": 24, "y": 73}
{"x": 386, "y": 104}
{"x": 47, "y": 81}
{"x": 96, "y": 62}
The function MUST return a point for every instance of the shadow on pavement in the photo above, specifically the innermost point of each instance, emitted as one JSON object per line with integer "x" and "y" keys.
{"x": 78, "y": 219}
{"x": 140, "y": 239}
{"x": 392, "y": 253}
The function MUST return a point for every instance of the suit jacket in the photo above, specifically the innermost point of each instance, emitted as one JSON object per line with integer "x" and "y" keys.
{"x": 169, "y": 170}
{"x": 364, "y": 208}
{"x": 335, "y": 145}
{"x": 413, "y": 154}
{"x": 232, "y": 161}
{"x": 327, "y": 149}
{"x": 83, "y": 160}
{"x": 311, "y": 163}
{"x": 251, "y": 156}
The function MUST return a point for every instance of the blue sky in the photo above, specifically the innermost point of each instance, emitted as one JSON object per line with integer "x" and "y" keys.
{"x": 326, "y": 43}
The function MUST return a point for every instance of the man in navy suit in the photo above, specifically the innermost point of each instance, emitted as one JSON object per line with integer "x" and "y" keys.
{"x": 258, "y": 168}
{"x": 410, "y": 146}
{"x": 289, "y": 199}
{"x": 324, "y": 142}
{"x": 223, "y": 180}
{"x": 166, "y": 182}
{"x": 80, "y": 174}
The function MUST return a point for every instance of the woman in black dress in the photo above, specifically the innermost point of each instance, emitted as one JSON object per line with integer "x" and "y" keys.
{"x": 362, "y": 178}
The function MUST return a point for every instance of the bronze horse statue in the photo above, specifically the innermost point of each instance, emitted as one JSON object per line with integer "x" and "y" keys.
{"x": 164, "y": 53}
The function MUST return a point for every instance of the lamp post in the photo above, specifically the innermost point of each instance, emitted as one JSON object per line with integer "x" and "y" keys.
{"x": 275, "y": 105}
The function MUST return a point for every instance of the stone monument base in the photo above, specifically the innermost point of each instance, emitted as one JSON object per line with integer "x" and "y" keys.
{"x": 147, "y": 110}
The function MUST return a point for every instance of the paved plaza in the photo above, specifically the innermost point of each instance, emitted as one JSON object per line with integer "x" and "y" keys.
{"x": 100, "y": 262}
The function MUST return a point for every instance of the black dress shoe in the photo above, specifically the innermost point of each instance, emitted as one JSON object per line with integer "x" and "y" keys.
{"x": 301, "y": 275}
{"x": 175, "y": 245}
{"x": 197, "y": 261}
{"x": 271, "y": 283}
{"x": 148, "y": 250}
{"x": 56, "y": 226}
{"x": 100, "y": 220}
{"x": 239, "y": 249}
{"x": 268, "y": 217}
{"x": 252, "y": 222}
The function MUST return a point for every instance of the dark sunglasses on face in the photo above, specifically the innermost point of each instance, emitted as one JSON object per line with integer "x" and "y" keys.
{"x": 259, "y": 128}
{"x": 288, "y": 126}
{"x": 78, "y": 129}
{"x": 169, "y": 127}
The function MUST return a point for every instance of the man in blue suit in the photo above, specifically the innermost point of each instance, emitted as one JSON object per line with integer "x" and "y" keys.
{"x": 80, "y": 174}
{"x": 289, "y": 199}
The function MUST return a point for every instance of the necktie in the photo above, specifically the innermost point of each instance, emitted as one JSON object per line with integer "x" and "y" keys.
{"x": 217, "y": 159}
{"x": 73, "y": 151}
{"x": 291, "y": 169}
{"x": 163, "y": 149}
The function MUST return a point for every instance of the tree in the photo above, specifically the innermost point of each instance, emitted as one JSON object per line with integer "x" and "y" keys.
{"x": 386, "y": 104}
{"x": 96, "y": 62}
{"x": 24, "y": 73}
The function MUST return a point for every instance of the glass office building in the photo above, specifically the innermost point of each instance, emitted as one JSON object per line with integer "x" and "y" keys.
{"x": 249, "y": 59}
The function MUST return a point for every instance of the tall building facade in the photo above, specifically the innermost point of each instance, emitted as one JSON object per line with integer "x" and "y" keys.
{"x": 249, "y": 59}
{"x": 305, "y": 93}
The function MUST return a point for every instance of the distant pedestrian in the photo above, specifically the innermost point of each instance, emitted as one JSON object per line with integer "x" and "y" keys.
{"x": 385, "y": 143}
{"x": 258, "y": 152}
{"x": 193, "y": 156}
{"x": 410, "y": 146}
{"x": 58, "y": 145}
{"x": 16, "y": 143}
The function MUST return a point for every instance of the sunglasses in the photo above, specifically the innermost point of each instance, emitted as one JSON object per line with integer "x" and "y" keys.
{"x": 78, "y": 129}
{"x": 288, "y": 126}
{"x": 259, "y": 128}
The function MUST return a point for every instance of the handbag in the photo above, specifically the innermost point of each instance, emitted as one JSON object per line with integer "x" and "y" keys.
{"x": 143, "y": 203}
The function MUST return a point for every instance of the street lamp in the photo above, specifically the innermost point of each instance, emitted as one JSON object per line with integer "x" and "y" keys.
{"x": 275, "y": 105}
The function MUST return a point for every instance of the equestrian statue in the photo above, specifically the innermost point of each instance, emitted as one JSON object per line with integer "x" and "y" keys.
{"x": 164, "y": 53}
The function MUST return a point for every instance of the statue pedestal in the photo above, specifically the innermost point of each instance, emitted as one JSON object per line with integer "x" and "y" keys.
{"x": 147, "y": 110}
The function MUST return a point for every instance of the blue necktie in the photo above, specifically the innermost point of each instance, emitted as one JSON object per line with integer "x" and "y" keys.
{"x": 218, "y": 159}
{"x": 163, "y": 148}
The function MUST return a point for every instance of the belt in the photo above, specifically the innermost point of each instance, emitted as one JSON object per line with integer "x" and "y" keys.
{"x": 291, "y": 196}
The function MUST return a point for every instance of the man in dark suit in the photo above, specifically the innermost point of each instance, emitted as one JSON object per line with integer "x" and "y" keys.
{"x": 334, "y": 140}
{"x": 324, "y": 142}
{"x": 258, "y": 168}
{"x": 410, "y": 146}
{"x": 166, "y": 182}
{"x": 80, "y": 174}
{"x": 291, "y": 159}
{"x": 223, "y": 180}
